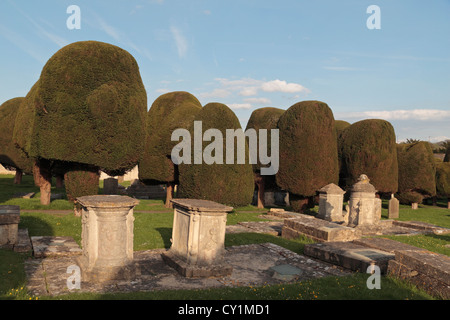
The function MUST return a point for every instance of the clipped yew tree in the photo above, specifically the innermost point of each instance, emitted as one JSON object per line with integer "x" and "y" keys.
{"x": 87, "y": 110}
{"x": 416, "y": 172}
{"x": 209, "y": 175}
{"x": 308, "y": 151}
{"x": 168, "y": 112}
{"x": 264, "y": 118}
{"x": 340, "y": 126}
{"x": 443, "y": 181}
{"x": 369, "y": 147}
{"x": 10, "y": 156}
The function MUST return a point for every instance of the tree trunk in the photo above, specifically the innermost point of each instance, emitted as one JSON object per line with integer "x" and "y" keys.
{"x": 169, "y": 194}
{"x": 448, "y": 204}
{"x": 18, "y": 176}
{"x": 43, "y": 179}
{"x": 259, "y": 181}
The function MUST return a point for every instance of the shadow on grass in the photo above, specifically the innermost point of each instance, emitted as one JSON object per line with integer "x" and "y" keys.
{"x": 166, "y": 235}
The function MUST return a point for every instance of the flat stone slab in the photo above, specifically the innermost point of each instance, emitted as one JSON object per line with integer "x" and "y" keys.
{"x": 427, "y": 270}
{"x": 316, "y": 229}
{"x": 386, "y": 245}
{"x": 253, "y": 265}
{"x": 422, "y": 226}
{"x": 24, "y": 195}
{"x": 9, "y": 214}
{"x": 349, "y": 255}
{"x": 268, "y": 227}
{"x": 48, "y": 246}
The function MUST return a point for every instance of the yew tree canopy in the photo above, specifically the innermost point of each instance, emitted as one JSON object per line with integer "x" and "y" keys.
{"x": 416, "y": 168}
{"x": 369, "y": 147}
{"x": 443, "y": 179}
{"x": 169, "y": 112}
{"x": 308, "y": 148}
{"x": 264, "y": 118}
{"x": 89, "y": 106}
{"x": 10, "y": 155}
{"x": 230, "y": 184}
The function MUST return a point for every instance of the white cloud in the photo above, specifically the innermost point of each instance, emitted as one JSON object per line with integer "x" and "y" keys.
{"x": 180, "y": 41}
{"x": 250, "y": 87}
{"x": 216, "y": 93}
{"x": 108, "y": 29}
{"x": 250, "y": 91}
{"x": 283, "y": 86}
{"x": 235, "y": 106}
{"x": 415, "y": 114}
{"x": 263, "y": 101}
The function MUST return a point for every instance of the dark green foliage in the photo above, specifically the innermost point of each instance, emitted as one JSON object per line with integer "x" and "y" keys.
{"x": 369, "y": 147}
{"x": 10, "y": 155}
{"x": 340, "y": 126}
{"x": 81, "y": 180}
{"x": 230, "y": 184}
{"x": 443, "y": 179}
{"x": 447, "y": 153}
{"x": 308, "y": 148}
{"x": 264, "y": 118}
{"x": 89, "y": 106}
{"x": 416, "y": 169}
{"x": 409, "y": 197}
{"x": 169, "y": 112}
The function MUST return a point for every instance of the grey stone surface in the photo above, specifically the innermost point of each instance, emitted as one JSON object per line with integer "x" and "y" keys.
{"x": 107, "y": 237}
{"x": 9, "y": 226}
{"x": 52, "y": 246}
{"x": 316, "y": 229}
{"x": 331, "y": 199}
{"x": 253, "y": 265}
{"x": 198, "y": 238}
{"x": 349, "y": 255}
{"x": 393, "y": 208}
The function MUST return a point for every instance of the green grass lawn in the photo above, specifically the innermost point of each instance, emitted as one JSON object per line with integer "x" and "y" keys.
{"x": 153, "y": 229}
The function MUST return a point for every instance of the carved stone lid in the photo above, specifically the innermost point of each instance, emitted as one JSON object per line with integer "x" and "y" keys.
{"x": 363, "y": 185}
{"x": 331, "y": 189}
{"x": 107, "y": 201}
{"x": 201, "y": 205}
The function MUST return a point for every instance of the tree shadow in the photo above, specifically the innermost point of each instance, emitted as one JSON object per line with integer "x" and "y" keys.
{"x": 166, "y": 235}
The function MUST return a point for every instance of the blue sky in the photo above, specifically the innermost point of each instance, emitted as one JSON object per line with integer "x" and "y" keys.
{"x": 250, "y": 54}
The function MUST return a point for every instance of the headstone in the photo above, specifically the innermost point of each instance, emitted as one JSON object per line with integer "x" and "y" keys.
{"x": 110, "y": 186}
{"x": 198, "y": 239}
{"x": 362, "y": 205}
{"x": 107, "y": 237}
{"x": 393, "y": 208}
{"x": 331, "y": 199}
{"x": 9, "y": 226}
{"x": 269, "y": 198}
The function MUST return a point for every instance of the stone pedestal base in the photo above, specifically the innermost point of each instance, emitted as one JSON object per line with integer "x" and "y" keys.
{"x": 9, "y": 226}
{"x": 107, "y": 238}
{"x": 105, "y": 273}
{"x": 195, "y": 271}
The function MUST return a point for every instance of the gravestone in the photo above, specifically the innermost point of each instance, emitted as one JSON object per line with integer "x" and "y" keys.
{"x": 198, "y": 239}
{"x": 107, "y": 237}
{"x": 9, "y": 226}
{"x": 110, "y": 186}
{"x": 394, "y": 208}
{"x": 331, "y": 199}
{"x": 363, "y": 206}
